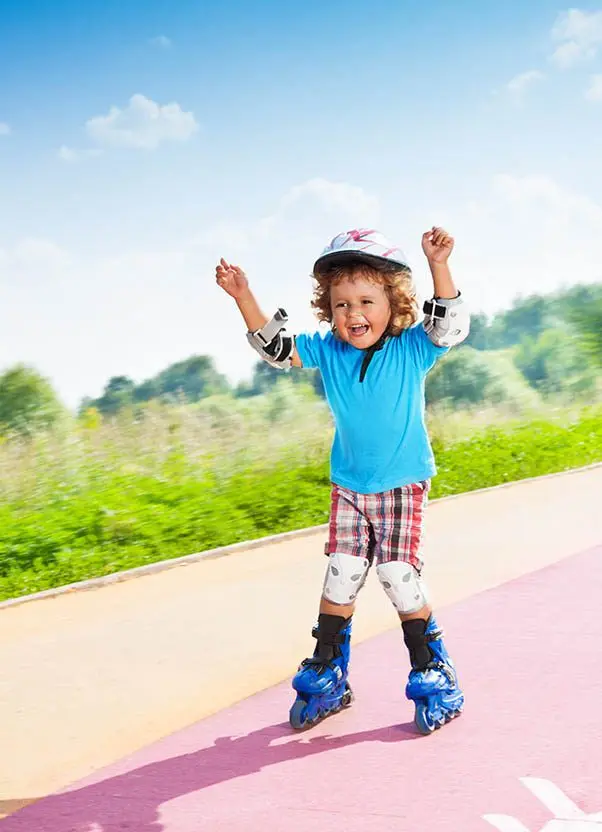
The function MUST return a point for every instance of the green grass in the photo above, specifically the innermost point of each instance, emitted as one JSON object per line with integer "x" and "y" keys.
{"x": 98, "y": 501}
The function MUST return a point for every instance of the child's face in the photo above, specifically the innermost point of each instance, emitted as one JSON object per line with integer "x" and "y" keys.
{"x": 360, "y": 311}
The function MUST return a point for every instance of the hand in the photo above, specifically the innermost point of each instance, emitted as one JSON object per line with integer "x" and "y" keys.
{"x": 232, "y": 279}
{"x": 437, "y": 245}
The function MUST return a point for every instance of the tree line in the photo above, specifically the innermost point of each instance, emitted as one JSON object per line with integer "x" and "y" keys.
{"x": 542, "y": 343}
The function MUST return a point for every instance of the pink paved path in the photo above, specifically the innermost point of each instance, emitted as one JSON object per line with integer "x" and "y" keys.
{"x": 529, "y": 654}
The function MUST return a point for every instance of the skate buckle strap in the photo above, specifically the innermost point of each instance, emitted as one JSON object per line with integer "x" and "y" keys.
{"x": 322, "y": 665}
{"x": 331, "y": 639}
{"x": 445, "y": 669}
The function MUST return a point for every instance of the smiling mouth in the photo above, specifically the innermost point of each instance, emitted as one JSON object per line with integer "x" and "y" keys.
{"x": 358, "y": 330}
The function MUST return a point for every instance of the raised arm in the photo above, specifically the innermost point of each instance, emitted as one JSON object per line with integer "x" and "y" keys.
{"x": 268, "y": 337}
{"x": 447, "y": 320}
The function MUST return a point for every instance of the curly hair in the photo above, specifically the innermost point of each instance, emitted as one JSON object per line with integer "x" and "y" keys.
{"x": 396, "y": 282}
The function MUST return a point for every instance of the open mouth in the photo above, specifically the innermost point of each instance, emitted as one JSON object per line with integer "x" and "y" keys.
{"x": 358, "y": 330}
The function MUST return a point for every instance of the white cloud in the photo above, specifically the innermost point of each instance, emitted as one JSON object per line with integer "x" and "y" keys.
{"x": 526, "y": 235}
{"x": 594, "y": 91}
{"x": 542, "y": 192}
{"x": 33, "y": 252}
{"x": 108, "y": 311}
{"x": 578, "y": 35}
{"x": 338, "y": 195}
{"x": 161, "y": 41}
{"x": 71, "y": 154}
{"x": 4, "y": 129}
{"x": 142, "y": 124}
{"x": 278, "y": 250}
{"x": 299, "y": 220}
{"x": 32, "y": 282}
{"x": 520, "y": 83}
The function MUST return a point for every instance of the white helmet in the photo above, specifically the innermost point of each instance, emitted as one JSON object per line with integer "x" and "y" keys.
{"x": 364, "y": 244}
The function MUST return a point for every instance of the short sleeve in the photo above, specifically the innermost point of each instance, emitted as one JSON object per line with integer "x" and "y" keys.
{"x": 423, "y": 351}
{"x": 311, "y": 347}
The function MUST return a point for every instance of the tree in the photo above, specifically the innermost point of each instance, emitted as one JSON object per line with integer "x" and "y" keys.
{"x": 469, "y": 377}
{"x": 118, "y": 393}
{"x": 587, "y": 320}
{"x": 531, "y": 316}
{"x": 574, "y": 300}
{"x": 191, "y": 379}
{"x": 148, "y": 390}
{"x": 194, "y": 378}
{"x": 461, "y": 377}
{"x": 555, "y": 362}
{"x": 265, "y": 378}
{"x": 28, "y": 401}
{"x": 526, "y": 316}
{"x": 478, "y": 337}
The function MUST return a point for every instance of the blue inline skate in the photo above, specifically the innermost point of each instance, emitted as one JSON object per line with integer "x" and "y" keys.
{"x": 321, "y": 681}
{"x": 433, "y": 682}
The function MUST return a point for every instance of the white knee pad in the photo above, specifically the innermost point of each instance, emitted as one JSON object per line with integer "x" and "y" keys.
{"x": 345, "y": 577}
{"x": 403, "y": 585}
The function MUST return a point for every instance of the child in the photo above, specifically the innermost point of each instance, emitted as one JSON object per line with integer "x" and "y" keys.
{"x": 373, "y": 364}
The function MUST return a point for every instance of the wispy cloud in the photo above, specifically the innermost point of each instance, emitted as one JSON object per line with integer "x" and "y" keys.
{"x": 578, "y": 35}
{"x": 142, "y": 124}
{"x": 594, "y": 91}
{"x": 134, "y": 294}
{"x": 548, "y": 238}
{"x": 72, "y": 154}
{"x": 4, "y": 129}
{"x": 521, "y": 83}
{"x": 340, "y": 196}
{"x": 35, "y": 253}
{"x": 162, "y": 42}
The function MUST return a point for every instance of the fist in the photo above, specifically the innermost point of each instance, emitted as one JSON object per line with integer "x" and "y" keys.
{"x": 437, "y": 244}
{"x": 232, "y": 279}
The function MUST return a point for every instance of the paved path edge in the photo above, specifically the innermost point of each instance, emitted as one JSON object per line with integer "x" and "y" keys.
{"x": 248, "y": 545}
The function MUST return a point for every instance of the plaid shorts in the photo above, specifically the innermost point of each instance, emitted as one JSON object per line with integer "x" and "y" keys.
{"x": 381, "y": 527}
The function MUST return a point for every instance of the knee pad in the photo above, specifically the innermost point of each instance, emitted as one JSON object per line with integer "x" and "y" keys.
{"x": 403, "y": 585}
{"x": 345, "y": 576}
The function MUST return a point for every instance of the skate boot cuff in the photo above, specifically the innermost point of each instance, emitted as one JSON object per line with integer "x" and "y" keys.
{"x": 330, "y": 634}
{"x": 417, "y": 640}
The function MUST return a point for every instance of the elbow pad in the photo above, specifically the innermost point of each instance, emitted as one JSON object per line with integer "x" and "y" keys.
{"x": 273, "y": 343}
{"x": 447, "y": 321}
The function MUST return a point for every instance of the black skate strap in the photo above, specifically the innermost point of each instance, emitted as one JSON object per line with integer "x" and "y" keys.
{"x": 320, "y": 664}
{"x": 331, "y": 639}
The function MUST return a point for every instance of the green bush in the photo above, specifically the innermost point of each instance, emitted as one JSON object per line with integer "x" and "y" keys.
{"x": 467, "y": 377}
{"x": 107, "y": 502}
{"x": 28, "y": 402}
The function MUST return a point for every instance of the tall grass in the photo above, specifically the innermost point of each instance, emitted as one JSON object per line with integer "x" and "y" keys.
{"x": 92, "y": 497}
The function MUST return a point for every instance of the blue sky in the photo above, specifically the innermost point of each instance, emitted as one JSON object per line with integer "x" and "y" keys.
{"x": 139, "y": 141}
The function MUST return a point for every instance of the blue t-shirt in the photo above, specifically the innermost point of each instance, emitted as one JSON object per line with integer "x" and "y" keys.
{"x": 380, "y": 440}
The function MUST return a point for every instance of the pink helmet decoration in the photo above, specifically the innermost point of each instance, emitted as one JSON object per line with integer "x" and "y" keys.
{"x": 364, "y": 244}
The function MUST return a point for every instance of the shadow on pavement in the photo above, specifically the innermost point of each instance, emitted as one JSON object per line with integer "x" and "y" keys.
{"x": 131, "y": 801}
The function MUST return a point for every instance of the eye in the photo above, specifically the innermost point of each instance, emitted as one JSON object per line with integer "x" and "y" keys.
{"x": 340, "y": 304}
{"x": 368, "y": 301}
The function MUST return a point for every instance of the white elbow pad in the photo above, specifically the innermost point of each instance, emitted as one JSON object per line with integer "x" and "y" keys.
{"x": 273, "y": 343}
{"x": 447, "y": 321}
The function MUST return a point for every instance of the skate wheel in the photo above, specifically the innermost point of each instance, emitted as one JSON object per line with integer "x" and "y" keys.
{"x": 297, "y": 715}
{"x": 423, "y": 721}
{"x": 347, "y": 697}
